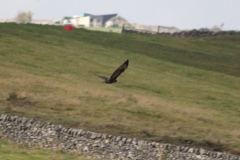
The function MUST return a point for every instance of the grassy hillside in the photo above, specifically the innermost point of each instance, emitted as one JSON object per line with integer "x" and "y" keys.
{"x": 183, "y": 91}
{"x": 9, "y": 151}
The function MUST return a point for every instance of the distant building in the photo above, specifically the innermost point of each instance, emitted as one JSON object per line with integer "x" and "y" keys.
{"x": 42, "y": 22}
{"x": 90, "y": 20}
{"x": 117, "y": 21}
{"x": 66, "y": 20}
{"x": 154, "y": 29}
{"x": 164, "y": 29}
{"x": 7, "y": 20}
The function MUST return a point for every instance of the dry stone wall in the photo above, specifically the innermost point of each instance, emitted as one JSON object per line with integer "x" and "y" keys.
{"x": 190, "y": 33}
{"x": 102, "y": 146}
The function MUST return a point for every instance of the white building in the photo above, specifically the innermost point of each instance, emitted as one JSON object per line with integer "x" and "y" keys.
{"x": 90, "y": 20}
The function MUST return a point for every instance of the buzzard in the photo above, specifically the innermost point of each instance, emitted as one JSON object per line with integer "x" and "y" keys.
{"x": 116, "y": 73}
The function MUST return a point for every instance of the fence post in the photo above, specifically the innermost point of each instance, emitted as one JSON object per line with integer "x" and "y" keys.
{"x": 123, "y": 28}
{"x": 158, "y": 29}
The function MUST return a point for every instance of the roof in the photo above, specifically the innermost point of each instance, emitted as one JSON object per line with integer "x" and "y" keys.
{"x": 106, "y": 16}
{"x": 117, "y": 18}
{"x": 85, "y": 14}
{"x": 67, "y": 17}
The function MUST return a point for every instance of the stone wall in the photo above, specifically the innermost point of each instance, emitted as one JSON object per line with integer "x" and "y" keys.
{"x": 203, "y": 33}
{"x": 102, "y": 146}
{"x": 190, "y": 33}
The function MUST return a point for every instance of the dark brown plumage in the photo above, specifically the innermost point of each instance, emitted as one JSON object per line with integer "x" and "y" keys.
{"x": 116, "y": 73}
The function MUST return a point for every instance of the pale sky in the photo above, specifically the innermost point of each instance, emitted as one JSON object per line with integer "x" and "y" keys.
{"x": 183, "y": 14}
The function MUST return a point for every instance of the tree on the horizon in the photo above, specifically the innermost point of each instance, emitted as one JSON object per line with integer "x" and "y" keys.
{"x": 24, "y": 17}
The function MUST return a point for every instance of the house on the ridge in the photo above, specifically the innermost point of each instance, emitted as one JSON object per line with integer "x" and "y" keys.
{"x": 66, "y": 20}
{"x": 90, "y": 20}
{"x": 116, "y": 21}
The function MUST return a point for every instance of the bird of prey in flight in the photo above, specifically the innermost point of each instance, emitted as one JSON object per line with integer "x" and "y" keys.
{"x": 116, "y": 73}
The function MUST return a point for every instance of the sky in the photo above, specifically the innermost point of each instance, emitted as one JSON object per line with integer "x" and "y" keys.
{"x": 183, "y": 14}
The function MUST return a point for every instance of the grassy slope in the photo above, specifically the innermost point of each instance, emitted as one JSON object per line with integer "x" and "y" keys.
{"x": 9, "y": 151}
{"x": 177, "y": 90}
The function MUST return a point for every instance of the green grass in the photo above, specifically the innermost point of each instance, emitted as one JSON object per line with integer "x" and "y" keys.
{"x": 10, "y": 151}
{"x": 178, "y": 90}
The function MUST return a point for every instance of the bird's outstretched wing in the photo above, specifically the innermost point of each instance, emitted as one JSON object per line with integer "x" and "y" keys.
{"x": 103, "y": 77}
{"x": 119, "y": 70}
